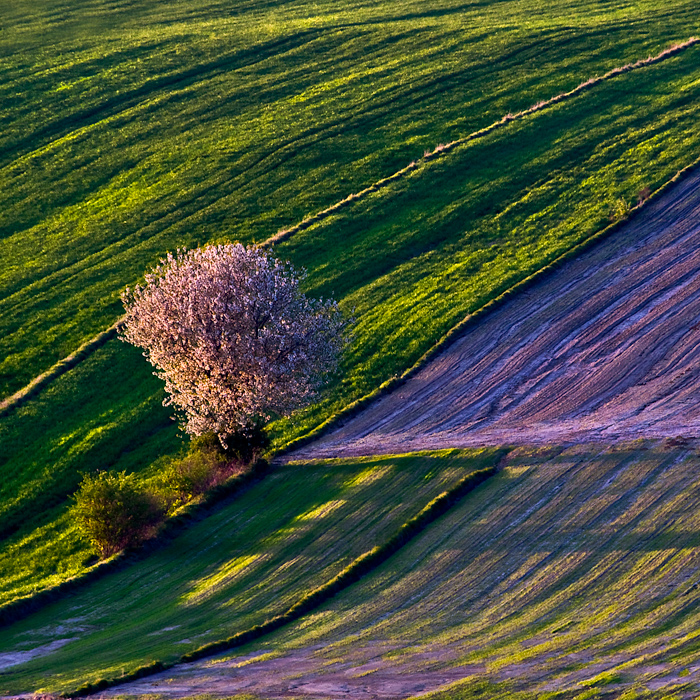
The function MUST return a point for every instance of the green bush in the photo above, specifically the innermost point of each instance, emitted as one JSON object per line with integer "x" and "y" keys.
{"x": 186, "y": 477}
{"x": 114, "y": 512}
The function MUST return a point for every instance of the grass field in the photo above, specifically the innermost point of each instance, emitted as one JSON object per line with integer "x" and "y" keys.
{"x": 171, "y": 124}
{"x": 130, "y": 130}
{"x": 573, "y": 572}
{"x": 249, "y": 561}
{"x": 48, "y": 444}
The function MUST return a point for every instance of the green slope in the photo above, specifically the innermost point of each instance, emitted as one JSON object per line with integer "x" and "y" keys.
{"x": 106, "y": 414}
{"x": 128, "y": 131}
{"x": 249, "y": 561}
{"x": 573, "y": 572}
{"x": 247, "y": 121}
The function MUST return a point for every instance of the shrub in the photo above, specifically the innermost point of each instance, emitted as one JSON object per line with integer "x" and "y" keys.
{"x": 190, "y": 475}
{"x": 619, "y": 210}
{"x": 643, "y": 195}
{"x": 114, "y": 512}
{"x": 185, "y": 478}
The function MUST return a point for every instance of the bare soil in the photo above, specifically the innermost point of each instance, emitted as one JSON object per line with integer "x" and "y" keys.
{"x": 294, "y": 675}
{"x": 607, "y": 348}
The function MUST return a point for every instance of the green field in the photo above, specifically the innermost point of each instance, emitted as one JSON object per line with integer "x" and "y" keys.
{"x": 131, "y": 129}
{"x": 573, "y": 573}
{"x": 247, "y": 562}
{"x": 177, "y": 124}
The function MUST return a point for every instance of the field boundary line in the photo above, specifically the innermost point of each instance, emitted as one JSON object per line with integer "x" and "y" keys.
{"x": 61, "y": 367}
{"x": 353, "y": 572}
{"x": 352, "y": 409}
{"x": 89, "y": 347}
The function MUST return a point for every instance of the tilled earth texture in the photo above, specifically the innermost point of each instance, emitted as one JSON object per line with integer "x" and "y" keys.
{"x": 571, "y": 571}
{"x": 606, "y": 348}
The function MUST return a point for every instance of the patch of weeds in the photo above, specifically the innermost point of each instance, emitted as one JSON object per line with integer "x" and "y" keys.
{"x": 201, "y": 468}
{"x": 603, "y": 679}
{"x": 619, "y": 210}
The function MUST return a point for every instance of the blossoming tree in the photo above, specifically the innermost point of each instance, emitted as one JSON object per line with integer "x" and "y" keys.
{"x": 232, "y": 335}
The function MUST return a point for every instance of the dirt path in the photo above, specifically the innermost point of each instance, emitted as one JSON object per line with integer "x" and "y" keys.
{"x": 606, "y": 348}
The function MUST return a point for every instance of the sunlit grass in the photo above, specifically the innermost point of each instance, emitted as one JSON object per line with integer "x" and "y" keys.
{"x": 135, "y": 132}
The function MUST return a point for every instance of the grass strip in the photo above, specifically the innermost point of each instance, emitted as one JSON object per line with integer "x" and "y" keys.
{"x": 88, "y": 348}
{"x": 61, "y": 367}
{"x": 442, "y": 149}
{"x": 355, "y": 407}
{"x": 21, "y": 607}
{"x": 360, "y": 567}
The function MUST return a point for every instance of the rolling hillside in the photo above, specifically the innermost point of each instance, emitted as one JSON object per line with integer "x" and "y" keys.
{"x": 454, "y": 232}
{"x": 131, "y": 129}
{"x": 420, "y": 160}
{"x": 605, "y": 348}
{"x": 246, "y": 563}
{"x": 573, "y": 573}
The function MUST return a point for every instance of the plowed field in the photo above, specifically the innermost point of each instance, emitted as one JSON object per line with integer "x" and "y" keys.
{"x": 606, "y": 348}
{"x": 571, "y": 572}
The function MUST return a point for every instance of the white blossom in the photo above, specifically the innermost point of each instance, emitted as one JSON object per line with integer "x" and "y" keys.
{"x": 232, "y": 335}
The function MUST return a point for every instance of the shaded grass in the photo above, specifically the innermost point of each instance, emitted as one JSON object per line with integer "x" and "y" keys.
{"x": 287, "y": 537}
{"x": 104, "y": 414}
{"x": 352, "y": 573}
{"x": 88, "y": 568}
{"x": 571, "y": 574}
{"x": 567, "y": 573}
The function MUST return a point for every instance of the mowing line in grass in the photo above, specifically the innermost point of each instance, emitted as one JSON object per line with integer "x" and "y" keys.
{"x": 61, "y": 367}
{"x": 442, "y": 149}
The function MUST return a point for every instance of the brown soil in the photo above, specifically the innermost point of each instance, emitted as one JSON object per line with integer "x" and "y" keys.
{"x": 607, "y": 348}
{"x": 297, "y": 674}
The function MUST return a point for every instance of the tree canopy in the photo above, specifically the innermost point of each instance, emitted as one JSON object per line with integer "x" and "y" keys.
{"x": 232, "y": 335}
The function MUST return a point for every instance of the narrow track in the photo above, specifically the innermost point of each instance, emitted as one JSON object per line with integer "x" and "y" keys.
{"x": 607, "y": 348}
